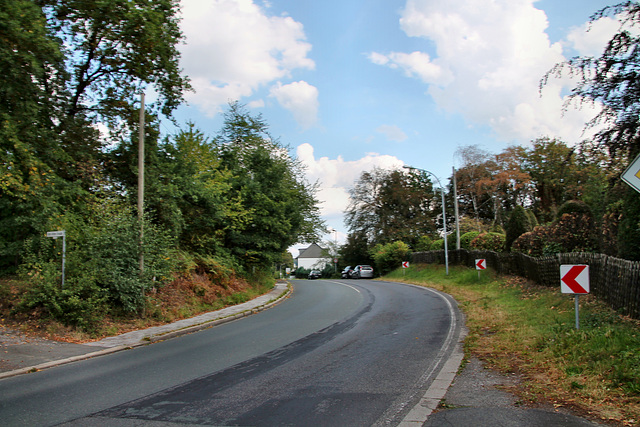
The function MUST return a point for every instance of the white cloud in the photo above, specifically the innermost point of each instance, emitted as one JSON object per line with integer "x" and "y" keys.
{"x": 591, "y": 39}
{"x": 301, "y": 99}
{"x": 336, "y": 176}
{"x": 233, "y": 47}
{"x": 393, "y": 133}
{"x": 488, "y": 62}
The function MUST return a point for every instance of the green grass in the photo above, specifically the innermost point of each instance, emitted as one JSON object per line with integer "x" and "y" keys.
{"x": 515, "y": 326}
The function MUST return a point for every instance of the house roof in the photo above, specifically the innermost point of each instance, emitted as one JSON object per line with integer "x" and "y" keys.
{"x": 313, "y": 251}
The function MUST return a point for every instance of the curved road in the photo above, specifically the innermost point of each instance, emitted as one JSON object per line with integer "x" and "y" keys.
{"x": 334, "y": 353}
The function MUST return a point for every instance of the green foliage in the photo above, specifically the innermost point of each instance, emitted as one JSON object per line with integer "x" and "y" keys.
{"x": 467, "y": 238}
{"x": 437, "y": 245}
{"x": 389, "y": 256}
{"x": 422, "y": 244}
{"x": 391, "y": 205}
{"x": 81, "y": 303}
{"x": 574, "y": 206}
{"x": 301, "y": 273}
{"x": 489, "y": 242}
{"x": 573, "y": 232}
{"x": 518, "y": 224}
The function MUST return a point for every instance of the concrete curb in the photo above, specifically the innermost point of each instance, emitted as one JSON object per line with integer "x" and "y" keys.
{"x": 278, "y": 294}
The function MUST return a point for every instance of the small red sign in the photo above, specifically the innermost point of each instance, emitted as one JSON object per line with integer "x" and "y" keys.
{"x": 481, "y": 264}
{"x": 405, "y": 264}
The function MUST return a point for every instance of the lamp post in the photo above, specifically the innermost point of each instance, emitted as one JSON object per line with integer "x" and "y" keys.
{"x": 444, "y": 216}
{"x": 335, "y": 242}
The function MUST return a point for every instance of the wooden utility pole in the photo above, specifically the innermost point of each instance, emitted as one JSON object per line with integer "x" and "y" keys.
{"x": 141, "y": 180}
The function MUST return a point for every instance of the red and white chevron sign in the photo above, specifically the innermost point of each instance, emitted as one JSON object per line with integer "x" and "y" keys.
{"x": 405, "y": 264}
{"x": 481, "y": 264}
{"x": 574, "y": 279}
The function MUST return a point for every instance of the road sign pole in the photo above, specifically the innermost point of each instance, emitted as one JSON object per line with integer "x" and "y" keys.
{"x": 577, "y": 312}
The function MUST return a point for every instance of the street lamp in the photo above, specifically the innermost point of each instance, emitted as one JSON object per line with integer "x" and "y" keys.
{"x": 444, "y": 216}
{"x": 335, "y": 242}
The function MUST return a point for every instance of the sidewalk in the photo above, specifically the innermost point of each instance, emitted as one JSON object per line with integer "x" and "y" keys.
{"x": 20, "y": 354}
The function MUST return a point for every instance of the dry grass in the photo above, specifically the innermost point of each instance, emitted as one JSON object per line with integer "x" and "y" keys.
{"x": 518, "y": 327}
{"x": 184, "y": 297}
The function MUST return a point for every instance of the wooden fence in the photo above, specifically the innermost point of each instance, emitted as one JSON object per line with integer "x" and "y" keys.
{"x": 612, "y": 280}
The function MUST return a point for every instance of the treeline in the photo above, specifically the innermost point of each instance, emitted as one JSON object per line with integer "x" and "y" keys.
{"x": 541, "y": 199}
{"x": 226, "y": 205}
{"x": 545, "y": 199}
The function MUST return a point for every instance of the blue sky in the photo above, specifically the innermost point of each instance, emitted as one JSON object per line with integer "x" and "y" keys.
{"x": 353, "y": 84}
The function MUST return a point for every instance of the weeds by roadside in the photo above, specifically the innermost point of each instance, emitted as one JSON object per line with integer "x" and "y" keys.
{"x": 515, "y": 326}
{"x": 184, "y": 297}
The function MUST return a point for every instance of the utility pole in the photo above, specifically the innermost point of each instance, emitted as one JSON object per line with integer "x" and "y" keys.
{"x": 141, "y": 180}
{"x": 455, "y": 208}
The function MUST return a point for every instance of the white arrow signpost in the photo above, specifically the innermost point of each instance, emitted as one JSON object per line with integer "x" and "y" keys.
{"x": 55, "y": 235}
{"x": 574, "y": 279}
{"x": 481, "y": 264}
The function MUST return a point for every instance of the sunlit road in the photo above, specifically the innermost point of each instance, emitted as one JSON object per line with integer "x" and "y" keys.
{"x": 335, "y": 353}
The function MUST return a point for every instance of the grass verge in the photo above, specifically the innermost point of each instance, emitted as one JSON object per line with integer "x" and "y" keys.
{"x": 516, "y": 326}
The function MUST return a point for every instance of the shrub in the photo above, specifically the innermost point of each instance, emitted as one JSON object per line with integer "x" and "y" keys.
{"x": 390, "y": 256}
{"x": 423, "y": 243}
{"x": 467, "y": 238}
{"x": 518, "y": 224}
{"x": 573, "y": 232}
{"x": 81, "y": 303}
{"x": 533, "y": 242}
{"x": 489, "y": 242}
{"x": 437, "y": 245}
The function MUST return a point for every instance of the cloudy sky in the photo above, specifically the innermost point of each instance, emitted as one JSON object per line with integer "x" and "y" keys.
{"x": 353, "y": 84}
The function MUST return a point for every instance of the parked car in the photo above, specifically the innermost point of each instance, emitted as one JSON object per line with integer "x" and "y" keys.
{"x": 314, "y": 274}
{"x": 362, "y": 272}
{"x": 346, "y": 273}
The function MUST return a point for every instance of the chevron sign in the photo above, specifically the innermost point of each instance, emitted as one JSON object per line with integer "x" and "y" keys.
{"x": 574, "y": 279}
{"x": 481, "y": 264}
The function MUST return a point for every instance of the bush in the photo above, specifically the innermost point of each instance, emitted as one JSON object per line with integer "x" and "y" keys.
{"x": 390, "y": 256}
{"x": 489, "y": 242}
{"x": 533, "y": 242}
{"x": 518, "y": 224}
{"x": 467, "y": 238}
{"x": 437, "y": 245}
{"x": 302, "y": 273}
{"x": 81, "y": 303}
{"x": 573, "y": 232}
{"x": 422, "y": 244}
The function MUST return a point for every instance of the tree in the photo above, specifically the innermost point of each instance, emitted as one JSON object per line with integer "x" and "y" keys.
{"x": 551, "y": 165}
{"x": 390, "y": 205}
{"x": 116, "y": 48}
{"x": 471, "y": 198}
{"x": 612, "y": 81}
{"x": 65, "y": 66}
{"x": 270, "y": 187}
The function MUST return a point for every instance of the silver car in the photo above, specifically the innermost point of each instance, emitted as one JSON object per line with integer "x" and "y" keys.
{"x": 362, "y": 272}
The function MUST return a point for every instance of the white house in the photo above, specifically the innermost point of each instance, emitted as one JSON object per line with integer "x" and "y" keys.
{"x": 313, "y": 257}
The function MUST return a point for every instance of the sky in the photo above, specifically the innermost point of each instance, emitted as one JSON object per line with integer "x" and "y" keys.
{"x": 353, "y": 84}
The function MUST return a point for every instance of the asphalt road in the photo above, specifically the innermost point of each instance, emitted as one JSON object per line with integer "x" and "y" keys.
{"x": 334, "y": 353}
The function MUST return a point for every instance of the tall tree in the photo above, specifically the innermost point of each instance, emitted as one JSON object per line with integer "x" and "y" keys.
{"x": 270, "y": 185}
{"x": 611, "y": 80}
{"x": 390, "y": 205}
{"x": 551, "y": 166}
